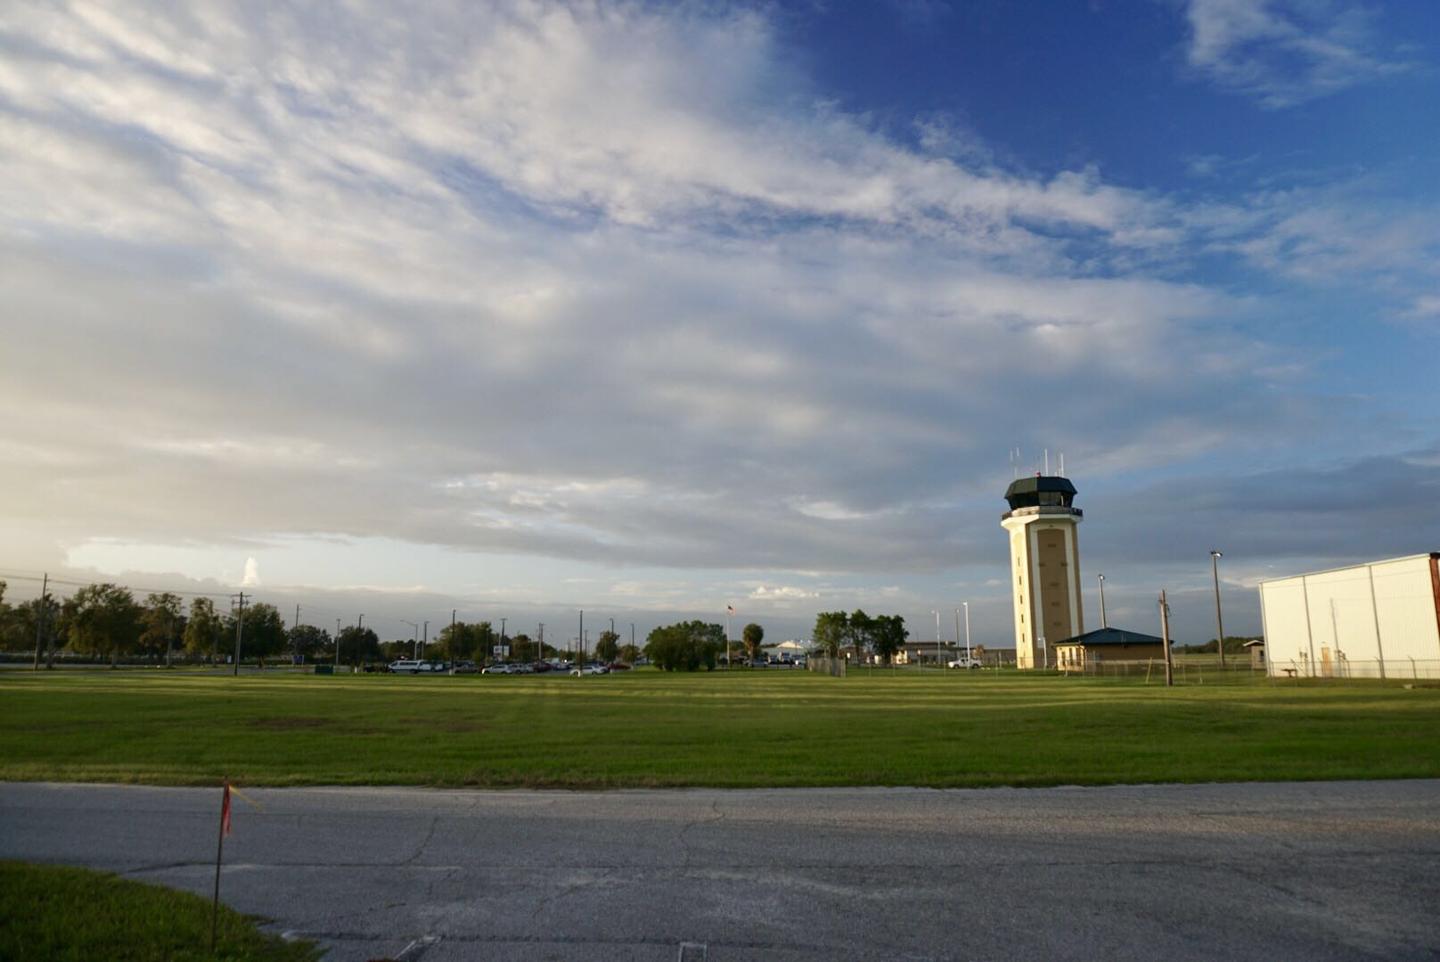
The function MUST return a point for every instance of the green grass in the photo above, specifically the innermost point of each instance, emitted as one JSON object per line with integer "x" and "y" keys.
{"x": 52, "y": 913}
{"x": 750, "y": 728}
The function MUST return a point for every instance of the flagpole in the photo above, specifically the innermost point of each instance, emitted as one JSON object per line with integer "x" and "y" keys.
{"x": 219, "y": 850}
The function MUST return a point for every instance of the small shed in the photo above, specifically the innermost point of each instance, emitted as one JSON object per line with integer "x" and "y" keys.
{"x": 1106, "y": 644}
{"x": 1257, "y": 653}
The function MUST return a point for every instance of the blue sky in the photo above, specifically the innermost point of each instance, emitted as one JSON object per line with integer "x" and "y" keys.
{"x": 524, "y": 307}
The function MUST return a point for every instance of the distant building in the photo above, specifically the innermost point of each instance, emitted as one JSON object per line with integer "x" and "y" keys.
{"x": 1106, "y": 644}
{"x": 1044, "y": 565}
{"x": 1379, "y": 620}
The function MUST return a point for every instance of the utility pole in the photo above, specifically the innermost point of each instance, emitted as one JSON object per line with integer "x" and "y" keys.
{"x": 581, "y": 642}
{"x": 541, "y": 632}
{"x": 360, "y": 629}
{"x": 1103, "y": 623}
{"x": 415, "y": 641}
{"x": 425, "y": 636}
{"x": 454, "y": 651}
{"x": 297, "y": 625}
{"x": 40, "y": 617}
{"x": 239, "y": 633}
{"x": 1165, "y": 639}
{"x": 502, "y": 639}
{"x": 337, "y": 642}
{"x": 632, "y": 634}
{"x": 1215, "y": 557}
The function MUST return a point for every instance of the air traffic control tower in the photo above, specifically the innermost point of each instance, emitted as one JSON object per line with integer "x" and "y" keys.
{"x": 1045, "y": 566}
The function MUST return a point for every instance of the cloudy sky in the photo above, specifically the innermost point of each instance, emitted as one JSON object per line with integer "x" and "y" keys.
{"x": 654, "y": 308}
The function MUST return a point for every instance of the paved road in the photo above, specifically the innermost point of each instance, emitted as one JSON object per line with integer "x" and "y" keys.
{"x": 1261, "y": 871}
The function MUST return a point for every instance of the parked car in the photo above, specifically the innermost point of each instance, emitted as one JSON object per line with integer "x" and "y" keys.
{"x": 501, "y": 669}
{"x": 465, "y": 668}
{"x": 965, "y": 661}
{"x": 618, "y": 666}
{"x": 590, "y": 669}
{"x": 407, "y": 666}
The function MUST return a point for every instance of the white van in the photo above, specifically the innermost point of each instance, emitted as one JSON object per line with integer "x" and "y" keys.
{"x": 408, "y": 667}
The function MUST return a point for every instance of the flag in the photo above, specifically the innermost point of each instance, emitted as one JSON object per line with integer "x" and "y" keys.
{"x": 225, "y": 812}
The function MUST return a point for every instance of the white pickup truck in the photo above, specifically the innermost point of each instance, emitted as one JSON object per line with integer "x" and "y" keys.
{"x": 965, "y": 661}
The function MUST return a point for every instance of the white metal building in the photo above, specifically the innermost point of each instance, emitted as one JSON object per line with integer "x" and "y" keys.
{"x": 1380, "y": 619}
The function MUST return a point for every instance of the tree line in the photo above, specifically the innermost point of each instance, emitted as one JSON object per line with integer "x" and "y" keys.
{"x": 106, "y": 622}
{"x": 881, "y": 635}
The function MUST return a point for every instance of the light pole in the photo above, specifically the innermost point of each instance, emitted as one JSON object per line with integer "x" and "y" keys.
{"x": 1103, "y": 622}
{"x": 967, "y": 628}
{"x": 1215, "y": 557}
{"x": 337, "y": 642}
{"x": 502, "y": 639}
{"x": 415, "y": 647}
{"x": 939, "y": 663}
{"x": 425, "y": 637}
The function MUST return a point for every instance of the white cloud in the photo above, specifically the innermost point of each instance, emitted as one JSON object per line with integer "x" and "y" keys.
{"x": 606, "y": 283}
{"x": 1284, "y": 52}
{"x": 251, "y": 578}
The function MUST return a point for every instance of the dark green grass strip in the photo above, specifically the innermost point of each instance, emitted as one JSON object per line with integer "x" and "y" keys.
{"x": 742, "y": 729}
{"x": 52, "y": 913}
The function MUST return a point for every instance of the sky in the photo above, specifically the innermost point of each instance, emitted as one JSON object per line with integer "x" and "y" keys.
{"x": 521, "y": 308}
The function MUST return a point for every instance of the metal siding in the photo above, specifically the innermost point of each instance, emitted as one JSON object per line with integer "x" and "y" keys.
{"x": 1287, "y": 640}
{"x": 1298, "y": 612}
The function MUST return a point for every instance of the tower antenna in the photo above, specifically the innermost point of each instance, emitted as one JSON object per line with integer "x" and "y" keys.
{"x": 1047, "y": 462}
{"x": 1062, "y": 464}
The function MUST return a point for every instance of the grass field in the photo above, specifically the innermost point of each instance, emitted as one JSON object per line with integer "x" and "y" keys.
{"x": 645, "y": 728}
{"x": 58, "y": 914}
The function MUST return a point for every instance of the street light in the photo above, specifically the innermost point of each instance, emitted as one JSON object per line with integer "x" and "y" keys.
{"x": 1215, "y": 557}
{"x": 415, "y": 649}
{"x": 1103, "y": 623}
{"x": 939, "y": 658}
{"x": 967, "y": 627}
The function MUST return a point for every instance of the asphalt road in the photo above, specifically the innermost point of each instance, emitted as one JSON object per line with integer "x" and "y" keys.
{"x": 1308, "y": 871}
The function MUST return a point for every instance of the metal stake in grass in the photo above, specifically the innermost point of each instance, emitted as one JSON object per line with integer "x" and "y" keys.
{"x": 219, "y": 851}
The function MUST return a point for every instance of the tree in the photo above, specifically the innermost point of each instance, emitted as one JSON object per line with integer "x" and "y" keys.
{"x": 860, "y": 633}
{"x": 264, "y": 632}
{"x": 753, "y": 635}
{"x": 629, "y": 654}
{"x": 686, "y": 646}
{"x": 887, "y": 635}
{"x": 608, "y": 647}
{"x": 202, "y": 631}
{"x": 522, "y": 648}
{"x": 104, "y": 621}
{"x": 308, "y": 641}
{"x": 162, "y": 620}
{"x": 359, "y": 644}
{"x": 832, "y": 629}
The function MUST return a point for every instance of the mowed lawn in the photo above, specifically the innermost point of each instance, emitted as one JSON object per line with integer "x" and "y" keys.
{"x": 746, "y": 728}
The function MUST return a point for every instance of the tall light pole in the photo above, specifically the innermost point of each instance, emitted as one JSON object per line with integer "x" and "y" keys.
{"x": 415, "y": 647}
{"x": 502, "y": 638}
{"x": 337, "y": 642}
{"x": 425, "y": 637}
{"x": 1103, "y": 623}
{"x": 967, "y": 628}
{"x": 939, "y": 662}
{"x": 1215, "y": 557}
